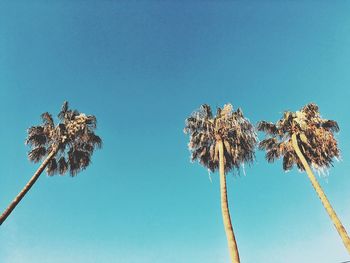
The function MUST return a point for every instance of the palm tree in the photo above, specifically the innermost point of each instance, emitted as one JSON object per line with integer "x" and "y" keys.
{"x": 224, "y": 142}
{"x": 303, "y": 138}
{"x": 66, "y": 146}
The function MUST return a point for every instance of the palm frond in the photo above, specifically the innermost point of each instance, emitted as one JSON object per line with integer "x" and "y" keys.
{"x": 78, "y": 160}
{"x": 37, "y": 154}
{"x": 62, "y": 166}
{"x": 207, "y": 111}
{"x": 267, "y": 127}
{"x": 36, "y": 139}
{"x": 63, "y": 111}
{"x": 272, "y": 155}
{"x": 91, "y": 121}
{"x": 47, "y": 119}
{"x": 36, "y": 136}
{"x": 268, "y": 143}
{"x": 311, "y": 110}
{"x": 95, "y": 140}
{"x": 288, "y": 161}
{"x": 330, "y": 125}
{"x": 51, "y": 168}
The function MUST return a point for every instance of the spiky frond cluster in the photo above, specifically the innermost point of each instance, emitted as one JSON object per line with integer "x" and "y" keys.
{"x": 74, "y": 138}
{"x": 315, "y": 137}
{"x": 235, "y": 131}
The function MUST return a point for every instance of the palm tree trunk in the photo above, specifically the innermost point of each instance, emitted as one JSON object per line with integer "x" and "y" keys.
{"x": 27, "y": 187}
{"x": 231, "y": 240}
{"x": 338, "y": 225}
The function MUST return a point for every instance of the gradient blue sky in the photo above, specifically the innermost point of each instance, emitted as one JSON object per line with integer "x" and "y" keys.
{"x": 142, "y": 68}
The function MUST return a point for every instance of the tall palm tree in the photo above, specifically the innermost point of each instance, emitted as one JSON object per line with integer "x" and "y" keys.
{"x": 66, "y": 146}
{"x": 303, "y": 138}
{"x": 224, "y": 142}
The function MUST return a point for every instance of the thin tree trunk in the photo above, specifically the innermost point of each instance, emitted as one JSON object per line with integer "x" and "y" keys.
{"x": 231, "y": 240}
{"x": 338, "y": 225}
{"x": 27, "y": 187}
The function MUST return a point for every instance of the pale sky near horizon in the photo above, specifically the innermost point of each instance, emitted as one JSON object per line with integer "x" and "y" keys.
{"x": 142, "y": 67}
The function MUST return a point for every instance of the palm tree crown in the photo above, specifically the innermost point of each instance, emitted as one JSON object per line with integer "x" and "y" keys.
{"x": 73, "y": 139}
{"x": 314, "y": 134}
{"x": 235, "y": 131}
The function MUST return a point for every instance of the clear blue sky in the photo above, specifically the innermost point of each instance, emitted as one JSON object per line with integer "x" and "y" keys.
{"x": 142, "y": 68}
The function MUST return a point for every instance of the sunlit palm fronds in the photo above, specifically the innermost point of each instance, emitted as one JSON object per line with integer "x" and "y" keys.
{"x": 235, "y": 131}
{"x": 315, "y": 136}
{"x": 74, "y": 138}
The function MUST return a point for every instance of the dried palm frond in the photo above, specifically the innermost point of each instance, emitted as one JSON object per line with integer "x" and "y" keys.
{"x": 37, "y": 154}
